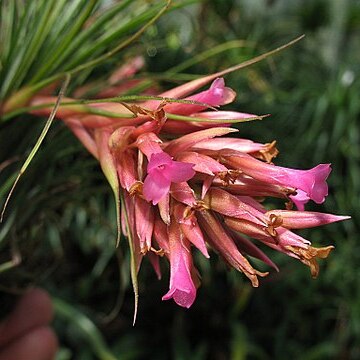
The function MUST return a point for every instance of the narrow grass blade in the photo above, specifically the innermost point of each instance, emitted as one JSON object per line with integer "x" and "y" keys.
{"x": 133, "y": 266}
{"x": 94, "y": 62}
{"x": 31, "y": 46}
{"x": 38, "y": 143}
{"x": 57, "y": 56}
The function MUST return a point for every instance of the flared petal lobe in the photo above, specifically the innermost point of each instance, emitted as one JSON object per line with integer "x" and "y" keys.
{"x": 158, "y": 160}
{"x": 162, "y": 171}
{"x": 300, "y": 199}
{"x": 156, "y": 186}
{"x": 180, "y": 172}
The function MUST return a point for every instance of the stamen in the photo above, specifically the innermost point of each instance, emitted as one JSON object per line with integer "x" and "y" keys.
{"x": 160, "y": 252}
{"x": 136, "y": 189}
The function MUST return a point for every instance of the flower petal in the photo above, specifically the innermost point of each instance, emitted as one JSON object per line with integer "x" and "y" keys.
{"x": 156, "y": 186}
{"x": 179, "y": 172}
{"x": 159, "y": 159}
{"x": 300, "y": 199}
{"x": 218, "y": 94}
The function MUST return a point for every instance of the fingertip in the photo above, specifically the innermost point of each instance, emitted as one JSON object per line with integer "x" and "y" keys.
{"x": 38, "y": 300}
{"x": 34, "y": 309}
{"x": 39, "y": 344}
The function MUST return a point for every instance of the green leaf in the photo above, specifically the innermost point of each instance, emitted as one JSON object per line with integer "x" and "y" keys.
{"x": 133, "y": 262}
{"x": 30, "y": 47}
{"x": 37, "y": 144}
{"x": 85, "y": 326}
{"x": 57, "y": 56}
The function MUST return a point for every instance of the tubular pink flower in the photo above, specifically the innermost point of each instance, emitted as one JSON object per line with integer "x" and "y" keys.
{"x": 161, "y": 172}
{"x": 218, "y": 94}
{"x": 182, "y": 288}
{"x": 312, "y": 182}
{"x": 247, "y": 186}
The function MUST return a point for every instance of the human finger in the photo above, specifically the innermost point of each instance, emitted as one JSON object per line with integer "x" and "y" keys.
{"x": 34, "y": 309}
{"x": 38, "y": 344}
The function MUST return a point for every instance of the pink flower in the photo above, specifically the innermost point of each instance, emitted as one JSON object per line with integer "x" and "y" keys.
{"x": 218, "y": 94}
{"x": 311, "y": 182}
{"x": 182, "y": 288}
{"x": 161, "y": 172}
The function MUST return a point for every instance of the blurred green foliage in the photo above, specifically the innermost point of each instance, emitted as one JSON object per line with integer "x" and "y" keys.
{"x": 62, "y": 219}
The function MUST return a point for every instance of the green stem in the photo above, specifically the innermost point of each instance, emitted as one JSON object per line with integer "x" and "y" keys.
{"x": 90, "y": 110}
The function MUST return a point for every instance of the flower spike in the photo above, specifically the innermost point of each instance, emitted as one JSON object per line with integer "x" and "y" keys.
{"x": 185, "y": 182}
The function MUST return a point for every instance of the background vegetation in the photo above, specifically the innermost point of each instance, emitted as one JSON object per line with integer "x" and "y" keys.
{"x": 62, "y": 220}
